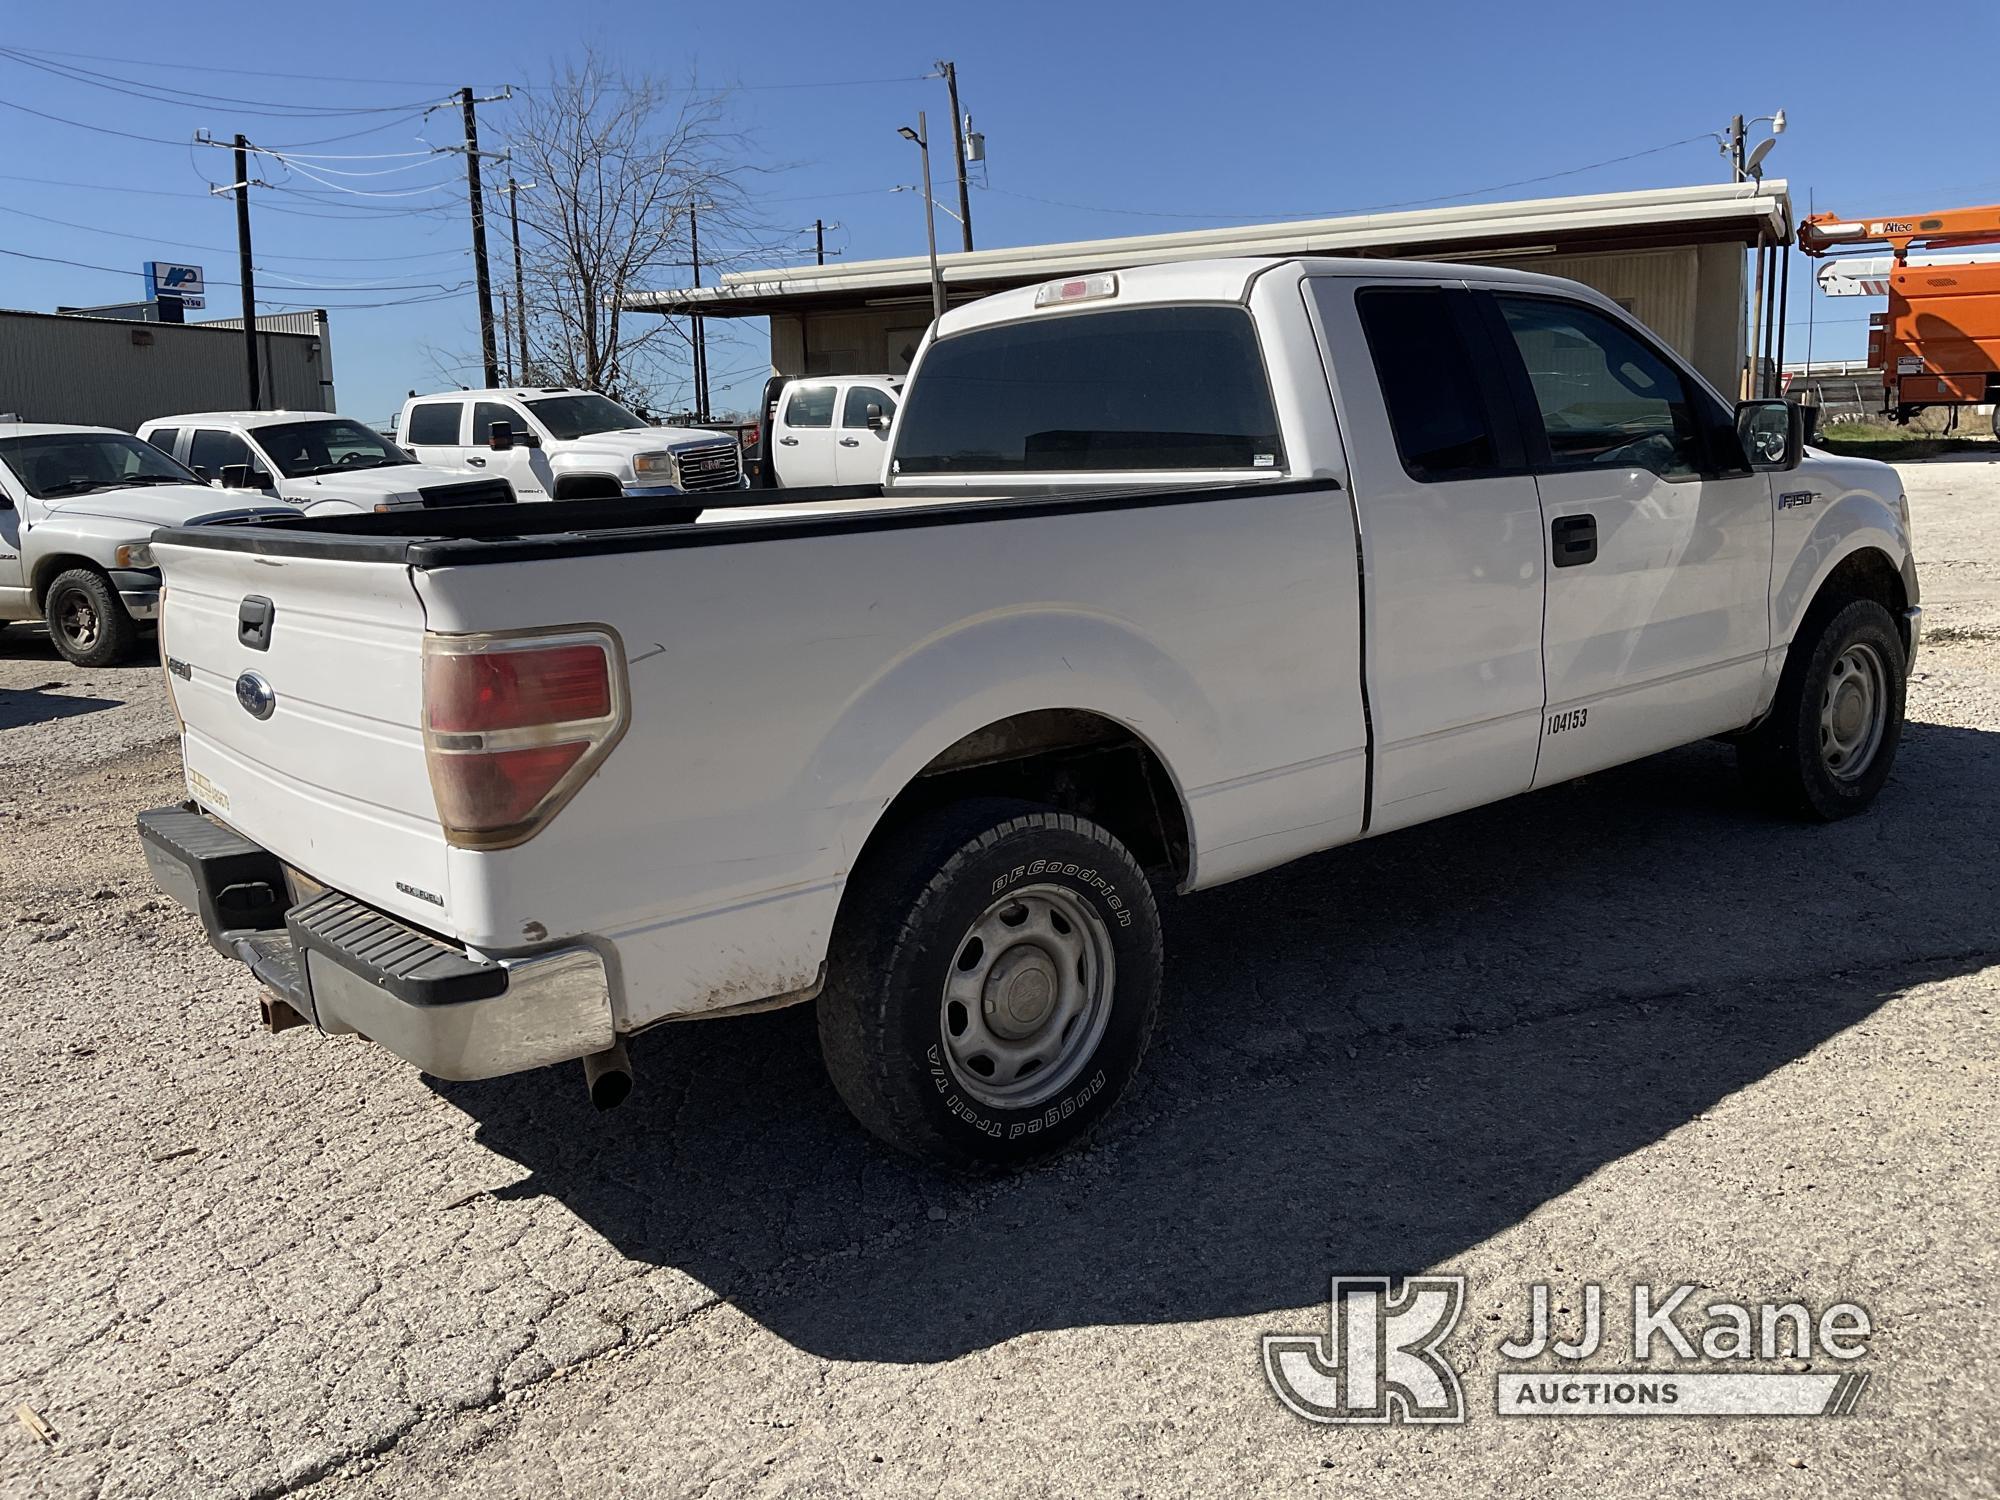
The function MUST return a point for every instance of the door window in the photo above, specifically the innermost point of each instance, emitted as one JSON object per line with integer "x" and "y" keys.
{"x": 164, "y": 438}
{"x": 810, "y": 406}
{"x": 1607, "y": 400}
{"x": 486, "y": 413}
{"x": 1438, "y": 407}
{"x": 434, "y": 424}
{"x": 854, "y": 413}
{"x": 212, "y": 451}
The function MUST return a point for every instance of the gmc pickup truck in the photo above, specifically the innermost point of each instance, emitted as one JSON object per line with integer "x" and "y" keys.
{"x": 1175, "y": 574}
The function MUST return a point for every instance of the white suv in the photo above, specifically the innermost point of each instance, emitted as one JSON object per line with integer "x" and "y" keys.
{"x": 563, "y": 444}
{"x": 318, "y": 462}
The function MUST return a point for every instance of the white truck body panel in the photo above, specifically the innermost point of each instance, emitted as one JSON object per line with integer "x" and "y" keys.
{"x": 821, "y": 434}
{"x": 1315, "y": 654}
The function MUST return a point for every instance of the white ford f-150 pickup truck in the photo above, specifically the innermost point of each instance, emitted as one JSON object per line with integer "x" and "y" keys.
{"x": 76, "y": 507}
{"x": 1177, "y": 574}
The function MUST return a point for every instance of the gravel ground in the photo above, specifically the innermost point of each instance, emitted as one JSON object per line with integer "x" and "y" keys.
{"x": 1623, "y": 1030}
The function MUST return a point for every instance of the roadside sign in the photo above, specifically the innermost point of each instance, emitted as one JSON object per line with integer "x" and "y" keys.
{"x": 170, "y": 279}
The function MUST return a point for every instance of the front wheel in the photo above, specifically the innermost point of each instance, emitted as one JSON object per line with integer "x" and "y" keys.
{"x": 1831, "y": 738}
{"x": 87, "y": 620}
{"x": 992, "y": 986}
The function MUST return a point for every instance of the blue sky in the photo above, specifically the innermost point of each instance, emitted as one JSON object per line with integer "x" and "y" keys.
{"x": 1118, "y": 118}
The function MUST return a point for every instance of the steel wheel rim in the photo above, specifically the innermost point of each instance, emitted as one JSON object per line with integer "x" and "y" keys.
{"x": 78, "y": 618}
{"x": 1853, "y": 712}
{"x": 1027, "y": 997}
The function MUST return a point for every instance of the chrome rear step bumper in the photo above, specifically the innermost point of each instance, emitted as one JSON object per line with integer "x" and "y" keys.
{"x": 347, "y": 967}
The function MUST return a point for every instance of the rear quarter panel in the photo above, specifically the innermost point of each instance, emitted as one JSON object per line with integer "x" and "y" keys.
{"x": 784, "y": 691}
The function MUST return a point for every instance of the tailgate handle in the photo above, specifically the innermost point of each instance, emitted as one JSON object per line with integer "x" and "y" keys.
{"x": 253, "y": 622}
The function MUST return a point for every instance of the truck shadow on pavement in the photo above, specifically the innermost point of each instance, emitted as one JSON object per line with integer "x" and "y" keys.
{"x": 20, "y": 707}
{"x": 1368, "y": 1062}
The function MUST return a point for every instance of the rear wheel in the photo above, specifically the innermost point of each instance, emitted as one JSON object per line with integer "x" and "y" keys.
{"x": 1831, "y": 738}
{"x": 87, "y": 620}
{"x": 993, "y": 984}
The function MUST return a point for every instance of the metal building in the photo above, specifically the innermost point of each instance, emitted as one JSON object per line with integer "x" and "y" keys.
{"x": 1673, "y": 256}
{"x": 118, "y": 372}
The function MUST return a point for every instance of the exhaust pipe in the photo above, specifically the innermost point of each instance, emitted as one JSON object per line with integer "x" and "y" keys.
{"x": 607, "y": 1075}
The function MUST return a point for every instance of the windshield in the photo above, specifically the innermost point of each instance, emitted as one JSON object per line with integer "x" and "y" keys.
{"x": 300, "y": 449}
{"x": 580, "y": 416}
{"x": 51, "y": 465}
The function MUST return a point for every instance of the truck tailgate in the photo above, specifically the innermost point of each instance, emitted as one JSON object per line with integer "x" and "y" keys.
{"x": 306, "y": 736}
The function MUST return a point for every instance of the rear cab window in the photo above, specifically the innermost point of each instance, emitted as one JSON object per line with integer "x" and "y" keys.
{"x": 1429, "y": 351}
{"x": 434, "y": 424}
{"x": 1176, "y": 389}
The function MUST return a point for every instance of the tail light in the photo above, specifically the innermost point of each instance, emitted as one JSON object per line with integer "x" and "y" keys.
{"x": 514, "y": 725}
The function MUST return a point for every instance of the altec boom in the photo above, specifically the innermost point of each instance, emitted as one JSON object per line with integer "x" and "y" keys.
{"x": 1938, "y": 344}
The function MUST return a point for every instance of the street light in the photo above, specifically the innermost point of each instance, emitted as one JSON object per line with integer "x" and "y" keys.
{"x": 921, "y": 136}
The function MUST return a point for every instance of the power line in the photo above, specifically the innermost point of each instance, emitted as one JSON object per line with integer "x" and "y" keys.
{"x": 152, "y": 140}
{"x": 435, "y": 289}
{"x": 133, "y": 88}
{"x": 154, "y": 239}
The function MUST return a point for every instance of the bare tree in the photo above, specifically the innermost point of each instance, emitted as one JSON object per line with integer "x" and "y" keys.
{"x": 619, "y": 164}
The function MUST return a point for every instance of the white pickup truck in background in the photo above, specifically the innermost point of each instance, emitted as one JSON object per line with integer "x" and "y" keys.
{"x": 831, "y": 430}
{"x": 317, "y": 462}
{"x": 76, "y": 507}
{"x": 562, "y": 444}
{"x": 1179, "y": 574}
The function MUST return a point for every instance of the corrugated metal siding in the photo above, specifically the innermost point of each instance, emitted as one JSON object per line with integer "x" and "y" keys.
{"x": 291, "y": 322}
{"x": 1656, "y": 286}
{"x": 89, "y": 370}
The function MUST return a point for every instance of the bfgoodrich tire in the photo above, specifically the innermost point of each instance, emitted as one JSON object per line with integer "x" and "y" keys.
{"x": 87, "y": 620}
{"x": 992, "y": 985}
{"x": 1831, "y": 738}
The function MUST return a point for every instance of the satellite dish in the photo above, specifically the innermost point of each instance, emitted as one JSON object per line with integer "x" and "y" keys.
{"x": 1755, "y": 165}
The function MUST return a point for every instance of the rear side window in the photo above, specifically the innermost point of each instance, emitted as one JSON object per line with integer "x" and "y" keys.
{"x": 434, "y": 424}
{"x": 1436, "y": 408}
{"x": 164, "y": 438}
{"x": 810, "y": 406}
{"x": 212, "y": 451}
{"x": 1174, "y": 388}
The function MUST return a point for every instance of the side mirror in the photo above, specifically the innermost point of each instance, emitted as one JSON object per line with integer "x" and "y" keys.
{"x": 500, "y": 436}
{"x": 876, "y": 419}
{"x": 1773, "y": 434}
{"x": 6, "y": 501}
{"x": 236, "y": 476}
{"x": 528, "y": 439}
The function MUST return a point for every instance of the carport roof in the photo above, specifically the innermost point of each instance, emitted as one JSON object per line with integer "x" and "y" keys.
{"x": 1648, "y": 219}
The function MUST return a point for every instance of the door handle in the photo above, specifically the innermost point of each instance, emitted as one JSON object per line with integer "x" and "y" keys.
{"x": 850, "y": 442}
{"x": 477, "y": 463}
{"x": 1573, "y": 539}
{"x": 789, "y": 442}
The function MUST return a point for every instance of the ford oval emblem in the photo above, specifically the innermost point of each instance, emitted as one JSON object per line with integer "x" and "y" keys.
{"x": 256, "y": 696}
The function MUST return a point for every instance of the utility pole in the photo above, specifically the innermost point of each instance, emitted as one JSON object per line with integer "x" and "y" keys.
{"x": 950, "y": 70}
{"x": 699, "y": 329}
{"x": 520, "y": 296}
{"x": 1736, "y": 148}
{"x": 244, "y": 272}
{"x": 486, "y": 348}
{"x": 819, "y": 242}
{"x": 922, "y": 136}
